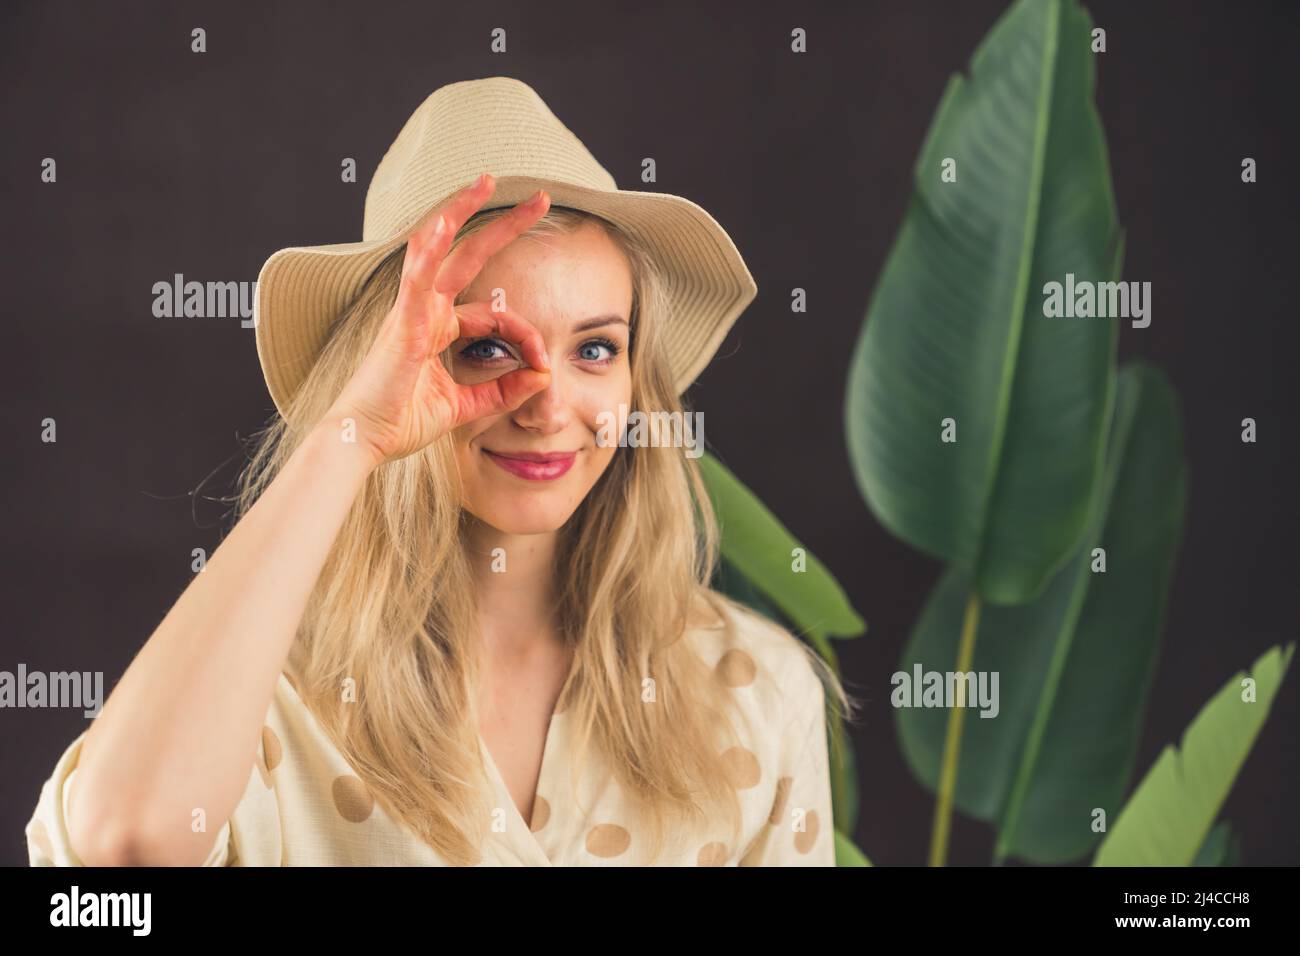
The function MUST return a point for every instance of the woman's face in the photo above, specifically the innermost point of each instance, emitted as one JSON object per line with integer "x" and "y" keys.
{"x": 576, "y": 289}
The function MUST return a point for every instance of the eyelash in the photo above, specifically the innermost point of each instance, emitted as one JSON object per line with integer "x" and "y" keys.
{"x": 614, "y": 350}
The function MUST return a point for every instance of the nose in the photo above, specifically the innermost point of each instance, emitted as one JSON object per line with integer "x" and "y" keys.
{"x": 547, "y": 412}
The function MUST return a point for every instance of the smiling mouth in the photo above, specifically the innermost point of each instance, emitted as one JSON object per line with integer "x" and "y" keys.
{"x": 534, "y": 467}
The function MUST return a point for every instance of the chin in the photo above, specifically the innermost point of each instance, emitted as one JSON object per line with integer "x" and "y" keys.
{"x": 522, "y": 517}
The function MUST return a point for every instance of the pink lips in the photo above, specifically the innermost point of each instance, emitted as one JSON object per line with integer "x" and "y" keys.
{"x": 533, "y": 466}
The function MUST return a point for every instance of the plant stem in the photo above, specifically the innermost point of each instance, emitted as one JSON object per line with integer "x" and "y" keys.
{"x": 952, "y": 741}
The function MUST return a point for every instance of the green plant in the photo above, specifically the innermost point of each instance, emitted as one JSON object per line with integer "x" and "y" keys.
{"x": 990, "y": 435}
{"x": 1167, "y": 820}
{"x": 1009, "y": 445}
{"x": 1075, "y": 663}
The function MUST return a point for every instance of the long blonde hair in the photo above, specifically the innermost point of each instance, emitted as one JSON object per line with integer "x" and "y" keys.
{"x": 393, "y": 612}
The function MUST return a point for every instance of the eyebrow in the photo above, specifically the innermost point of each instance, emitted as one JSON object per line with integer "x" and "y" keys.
{"x": 598, "y": 321}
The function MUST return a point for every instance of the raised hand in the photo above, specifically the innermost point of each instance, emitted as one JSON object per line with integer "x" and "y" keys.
{"x": 402, "y": 397}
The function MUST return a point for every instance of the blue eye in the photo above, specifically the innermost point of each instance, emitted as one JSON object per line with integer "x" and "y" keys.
{"x": 491, "y": 350}
{"x": 481, "y": 351}
{"x": 609, "y": 346}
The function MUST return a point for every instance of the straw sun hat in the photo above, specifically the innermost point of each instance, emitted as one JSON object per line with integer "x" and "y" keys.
{"x": 498, "y": 125}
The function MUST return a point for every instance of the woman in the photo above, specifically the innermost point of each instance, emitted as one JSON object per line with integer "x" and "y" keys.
{"x": 453, "y": 624}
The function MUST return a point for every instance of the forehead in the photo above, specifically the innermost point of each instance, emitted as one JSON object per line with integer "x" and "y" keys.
{"x": 555, "y": 279}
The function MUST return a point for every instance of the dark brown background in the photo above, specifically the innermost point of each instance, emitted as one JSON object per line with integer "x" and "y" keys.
{"x": 205, "y": 164}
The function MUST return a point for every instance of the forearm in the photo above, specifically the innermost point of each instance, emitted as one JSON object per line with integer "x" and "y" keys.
{"x": 180, "y": 730}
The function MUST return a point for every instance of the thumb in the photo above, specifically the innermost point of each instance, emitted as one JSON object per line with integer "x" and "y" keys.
{"x": 502, "y": 394}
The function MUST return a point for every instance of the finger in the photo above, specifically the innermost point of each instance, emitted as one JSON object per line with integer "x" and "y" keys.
{"x": 408, "y": 326}
{"x": 467, "y": 259}
{"x": 420, "y": 265}
{"x": 499, "y": 395}
{"x": 456, "y": 209}
{"x": 477, "y": 319}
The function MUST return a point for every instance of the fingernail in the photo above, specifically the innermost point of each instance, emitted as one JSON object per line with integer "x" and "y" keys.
{"x": 546, "y": 360}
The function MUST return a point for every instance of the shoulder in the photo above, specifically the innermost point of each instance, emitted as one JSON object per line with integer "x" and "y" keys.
{"x": 753, "y": 654}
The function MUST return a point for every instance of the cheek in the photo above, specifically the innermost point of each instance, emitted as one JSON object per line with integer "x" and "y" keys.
{"x": 599, "y": 459}
{"x": 467, "y": 458}
{"x": 609, "y": 395}
{"x": 605, "y": 414}
{"x": 462, "y": 436}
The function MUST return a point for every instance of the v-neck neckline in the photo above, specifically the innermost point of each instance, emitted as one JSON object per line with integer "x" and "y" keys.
{"x": 499, "y": 781}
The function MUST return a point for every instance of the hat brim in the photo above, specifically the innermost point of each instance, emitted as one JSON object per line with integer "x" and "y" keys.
{"x": 302, "y": 290}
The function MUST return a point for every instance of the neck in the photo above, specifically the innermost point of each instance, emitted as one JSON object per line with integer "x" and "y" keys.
{"x": 517, "y": 600}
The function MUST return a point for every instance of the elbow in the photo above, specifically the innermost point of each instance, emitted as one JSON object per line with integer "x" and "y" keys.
{"x": 111, "y": 844}
{"x": 122, "y": 842}
{"x": 105, "y": 836}
{"x": 105, "y": 842}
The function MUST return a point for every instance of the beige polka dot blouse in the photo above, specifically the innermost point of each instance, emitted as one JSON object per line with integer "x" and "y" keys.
{"x": 304, "y": 806}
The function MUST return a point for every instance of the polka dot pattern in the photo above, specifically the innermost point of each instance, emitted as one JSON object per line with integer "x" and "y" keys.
{"x": 608, "y": 840}
{"x": 351, "y": 798}
{"x": 712, "y": 854}
{"x": 741, "y": 768}
{"x": 736, "y": 669}
{"x": 782, "y": 795}
{"x": 322, "y": 810}
{"x": 541, "y": 813}
{"x": 260, "y": 763}
{"x": 805, "y": 839}
{"x": 271, "y": 748}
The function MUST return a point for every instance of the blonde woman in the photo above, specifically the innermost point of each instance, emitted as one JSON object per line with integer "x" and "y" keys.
{"x": 454, "y": 623}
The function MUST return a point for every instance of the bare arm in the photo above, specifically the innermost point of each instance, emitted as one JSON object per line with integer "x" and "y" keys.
{"x": 180, "y": 730}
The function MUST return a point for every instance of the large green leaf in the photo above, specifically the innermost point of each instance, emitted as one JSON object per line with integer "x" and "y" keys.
{"x": 847, "y": 853}
{"x": 955, "y": 328}
{"x": 757, "y": 545}
{"x": 1166, "y": 820}
{"x": 1221, "y": 848}
{"x": 1073, "y": 666}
